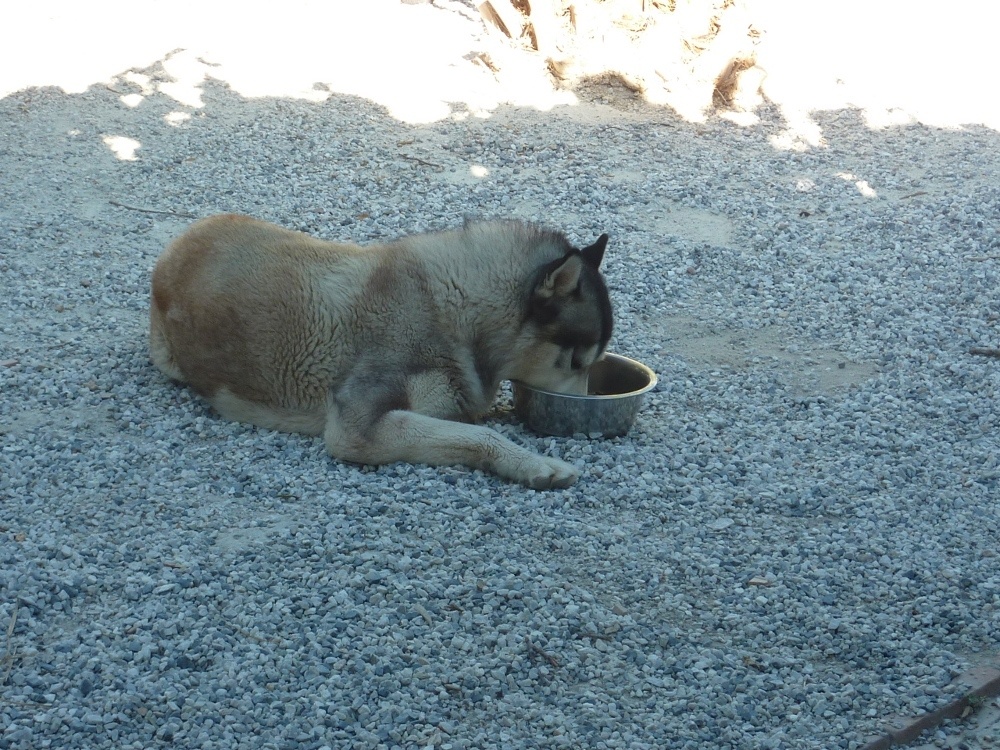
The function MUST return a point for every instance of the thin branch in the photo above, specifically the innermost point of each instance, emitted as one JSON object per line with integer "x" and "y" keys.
{"x": 153, "y": 211}
{"x": 421, "y": 161}
{"x": 8, "y": 652}
{"x": 593, "y": 635}
{"x": 983, "y": 351}
{"x": 536, "y": 649}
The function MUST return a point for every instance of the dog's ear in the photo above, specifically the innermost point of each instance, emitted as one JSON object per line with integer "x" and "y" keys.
{"x": 562, "y": 278}
{"x": 594, "y": 254}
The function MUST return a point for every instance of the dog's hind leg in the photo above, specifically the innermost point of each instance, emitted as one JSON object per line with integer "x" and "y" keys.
{"x": 416, "y": 438}
{"x": 159, "y": 349}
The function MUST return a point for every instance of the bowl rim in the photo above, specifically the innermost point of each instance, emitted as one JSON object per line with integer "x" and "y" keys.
{"x": 653, "y": 380}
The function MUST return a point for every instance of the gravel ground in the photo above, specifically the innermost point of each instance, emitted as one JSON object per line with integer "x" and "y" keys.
{"x": 765, "y": 562}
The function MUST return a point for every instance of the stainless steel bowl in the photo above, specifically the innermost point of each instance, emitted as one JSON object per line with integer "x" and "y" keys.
{"x": 617, "y": 386}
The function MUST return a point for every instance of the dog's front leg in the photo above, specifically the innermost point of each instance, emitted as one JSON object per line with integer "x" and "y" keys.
{"x": 416, "y": 438}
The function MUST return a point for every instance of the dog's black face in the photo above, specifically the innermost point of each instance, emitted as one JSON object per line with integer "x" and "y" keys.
{"x": 571, "y": 312}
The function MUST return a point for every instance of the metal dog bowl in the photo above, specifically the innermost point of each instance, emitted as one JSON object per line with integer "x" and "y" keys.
{"x": 616, "y": 388}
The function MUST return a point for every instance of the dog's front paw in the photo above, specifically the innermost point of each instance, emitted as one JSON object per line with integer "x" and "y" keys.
{"x": 550, "y": 473}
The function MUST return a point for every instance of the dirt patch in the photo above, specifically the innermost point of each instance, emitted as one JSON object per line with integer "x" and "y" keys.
{"x": 85, "y": 419}
{"x": 808, "y": 367}
{"x": 693, "y": 224}
{"x": 240, "y": 539}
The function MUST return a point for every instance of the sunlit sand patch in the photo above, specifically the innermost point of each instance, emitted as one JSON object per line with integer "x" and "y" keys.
{"x": 176, "y": 118}
{"x": 862, "y": 185}
{"x": 424, "y": 61}
{"x": 122, "y": 147}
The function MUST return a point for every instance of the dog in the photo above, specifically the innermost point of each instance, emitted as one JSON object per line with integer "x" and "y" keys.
{"x": 390, "y": 352}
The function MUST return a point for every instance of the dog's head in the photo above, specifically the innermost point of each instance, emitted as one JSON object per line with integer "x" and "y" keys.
{"x": 569, "y": 320}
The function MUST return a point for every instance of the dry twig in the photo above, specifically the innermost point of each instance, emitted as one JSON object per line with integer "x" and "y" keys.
{"x": 594, "y": 636}
{"x": 153, "y": 211}
{"x": 8, "y": 651}
{"x": 984, "y": 351}
{"x": 422, "y": 161}
{"x": 536, "y": 649}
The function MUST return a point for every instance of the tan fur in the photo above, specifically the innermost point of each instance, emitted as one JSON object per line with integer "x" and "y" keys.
{"x": 388, "y": 352}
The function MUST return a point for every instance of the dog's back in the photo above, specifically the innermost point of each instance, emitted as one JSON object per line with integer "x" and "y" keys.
{"x": 250, "y": 307}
